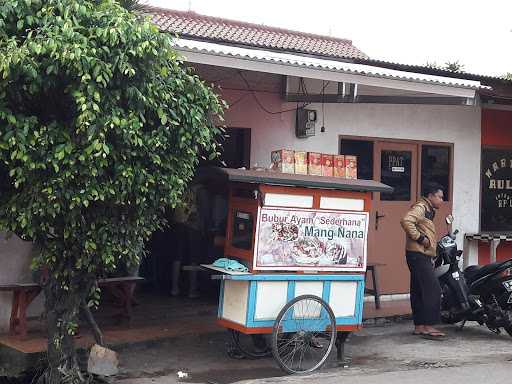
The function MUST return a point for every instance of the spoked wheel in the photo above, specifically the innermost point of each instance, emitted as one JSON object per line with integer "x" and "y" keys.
{"x": 304, "y": 334}
{"x": 251, "y": 346}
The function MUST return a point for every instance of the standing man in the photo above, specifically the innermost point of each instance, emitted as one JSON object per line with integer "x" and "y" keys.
{"x": 421, "y": 241}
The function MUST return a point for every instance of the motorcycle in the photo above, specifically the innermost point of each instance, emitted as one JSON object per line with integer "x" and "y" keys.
{"x": 479, "y": 293}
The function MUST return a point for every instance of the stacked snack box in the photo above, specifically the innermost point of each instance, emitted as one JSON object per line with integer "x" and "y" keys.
{"x": 327, "y": 164}
{"x": 283, "y": 160}
{"x": 351, "y": 167}
{"x": 301, "y": 162}
{"x": 314, "y": 163}
{"x": 339, "y": 166}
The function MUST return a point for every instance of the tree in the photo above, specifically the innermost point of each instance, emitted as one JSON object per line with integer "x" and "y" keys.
{"x": 454, "y": 66}
{"x": 451, "y": 66}
{"x": 132, "y": 5}
{"x": 100, "y": 130}
{"x": 432, "y": 65}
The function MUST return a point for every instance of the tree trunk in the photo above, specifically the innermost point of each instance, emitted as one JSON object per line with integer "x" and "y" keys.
{"x": 62, "y": 308}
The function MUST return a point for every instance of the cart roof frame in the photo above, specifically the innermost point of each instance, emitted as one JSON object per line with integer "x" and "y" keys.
{"x": 294, "y": 180}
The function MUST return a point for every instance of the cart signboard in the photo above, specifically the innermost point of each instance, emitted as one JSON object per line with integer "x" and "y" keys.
{"x": 291, "y": 239}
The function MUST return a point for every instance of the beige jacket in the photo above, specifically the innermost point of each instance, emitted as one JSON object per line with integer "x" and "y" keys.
{"x": 418, "y": 224}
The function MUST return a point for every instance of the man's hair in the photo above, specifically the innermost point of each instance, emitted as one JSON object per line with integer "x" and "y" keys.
{"x": 432, "y": 188}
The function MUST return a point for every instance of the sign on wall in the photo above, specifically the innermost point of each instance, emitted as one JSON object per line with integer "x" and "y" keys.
{"x": 496, "y": 210}
{"x": 305, "y": 239}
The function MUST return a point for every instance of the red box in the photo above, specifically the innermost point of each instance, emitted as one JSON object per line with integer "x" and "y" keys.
{"x": 314, "y": 163}
{"x": 351, "y": 167}
{"x": 339, "y": 166}
{"x": 283, "y": 160}
{"x": 327, "y": 165}
{"x": 301, "y": 162}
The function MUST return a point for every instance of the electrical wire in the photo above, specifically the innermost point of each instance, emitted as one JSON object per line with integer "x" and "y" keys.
{"x": 301, "y": 89}
{"x": 260, "y": 104}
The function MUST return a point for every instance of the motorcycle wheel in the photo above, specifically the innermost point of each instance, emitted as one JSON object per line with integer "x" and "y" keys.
{"x": 508, "y": 328}
{"x": 445, "y": 305}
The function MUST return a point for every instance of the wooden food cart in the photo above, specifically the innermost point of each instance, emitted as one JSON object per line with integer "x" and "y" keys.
{"x": 304, "y": 241}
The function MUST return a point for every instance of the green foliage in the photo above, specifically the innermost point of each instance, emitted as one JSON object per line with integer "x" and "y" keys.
{"x": 433, "y": 65}
{"x": 100, "y": 130}
{"x": 453, "y": 66}
{"x": 132, "y": 5}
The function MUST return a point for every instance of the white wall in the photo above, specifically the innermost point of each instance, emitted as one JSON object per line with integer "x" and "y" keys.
{"x": 452, "y": 124}
{"x": 15, "y": 259}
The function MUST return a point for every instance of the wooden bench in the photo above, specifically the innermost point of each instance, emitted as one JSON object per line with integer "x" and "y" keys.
{"x": 122, "y": 288}
{"x": 25, "y": 293}
{"x": 374, "y": 291}
{"x": 22, "y": 296}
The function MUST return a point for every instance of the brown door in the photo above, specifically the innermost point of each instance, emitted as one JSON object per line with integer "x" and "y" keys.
{"x": 395, "y": 164}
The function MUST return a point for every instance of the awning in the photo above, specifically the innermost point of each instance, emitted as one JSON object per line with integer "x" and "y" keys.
{"x": 323, "y": 69}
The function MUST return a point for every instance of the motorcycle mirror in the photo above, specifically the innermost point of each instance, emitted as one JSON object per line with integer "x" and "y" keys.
{"x": 449, "y": 219}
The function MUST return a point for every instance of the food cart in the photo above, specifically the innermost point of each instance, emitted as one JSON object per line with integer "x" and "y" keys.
{"x": 304, "y": 241}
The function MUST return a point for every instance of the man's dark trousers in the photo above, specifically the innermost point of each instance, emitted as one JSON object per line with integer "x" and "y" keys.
{"x": 425, "y": 289}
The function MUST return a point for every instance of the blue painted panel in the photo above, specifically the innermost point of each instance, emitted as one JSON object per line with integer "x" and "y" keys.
{"x": 359, "y": 301}
{"x": 221, "y": 300}
{"x": 291, "y": 291}
{"x": 297, "y": 277}
{"x": 326, "y": 293}
{"x": 251, "y": 303}
{"x": 288, "y": 325}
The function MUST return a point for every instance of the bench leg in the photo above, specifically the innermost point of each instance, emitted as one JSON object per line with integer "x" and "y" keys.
{"x": 124, "y": 292}
{"x": 375, "y": 288}
{"x": 128, "y": 288}
{"x": 22, "y": 314}
{"x": 13, "y": 323}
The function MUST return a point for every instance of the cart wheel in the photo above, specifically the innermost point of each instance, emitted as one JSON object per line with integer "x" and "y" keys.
{"x": 304, "y": 334}
{"x": 251, "y": 346}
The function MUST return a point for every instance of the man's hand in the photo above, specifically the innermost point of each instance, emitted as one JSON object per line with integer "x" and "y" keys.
{"x": 426, "y": 243}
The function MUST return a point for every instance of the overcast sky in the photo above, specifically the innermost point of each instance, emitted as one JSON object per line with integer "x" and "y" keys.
{"x": 476, "y": 33}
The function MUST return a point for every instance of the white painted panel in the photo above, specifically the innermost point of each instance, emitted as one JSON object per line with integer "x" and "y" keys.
{"x": 341, "y": 203}
{"x": 309, "y": 288}
{"x": 271, "y": 297}
{"x": 286, "y": 200}
{"x": 234, "y": 306}
{"x": 308, "y": 308}
{"x": 343, "y": 298}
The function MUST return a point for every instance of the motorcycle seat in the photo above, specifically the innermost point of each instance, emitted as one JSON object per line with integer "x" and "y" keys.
{"x": 474, "y": 272}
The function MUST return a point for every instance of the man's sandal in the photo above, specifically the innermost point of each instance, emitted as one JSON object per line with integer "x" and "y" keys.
{"x": 438, "y": 336}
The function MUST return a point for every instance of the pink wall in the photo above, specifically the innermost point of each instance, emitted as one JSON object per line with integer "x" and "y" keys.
{"x": 245, "y": 112}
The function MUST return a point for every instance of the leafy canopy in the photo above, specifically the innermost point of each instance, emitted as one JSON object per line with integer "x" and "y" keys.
{"x": 100, "y": 130}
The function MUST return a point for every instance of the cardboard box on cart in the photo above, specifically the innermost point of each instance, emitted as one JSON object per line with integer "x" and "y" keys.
{"x": 283, "y": 160}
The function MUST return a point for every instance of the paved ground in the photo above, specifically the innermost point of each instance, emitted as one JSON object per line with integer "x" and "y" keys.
{"x": 375, "y": 354}
{"x": 495, "y": 373}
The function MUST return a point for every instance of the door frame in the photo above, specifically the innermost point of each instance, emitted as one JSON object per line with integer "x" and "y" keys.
{"x": 419, "y": 144}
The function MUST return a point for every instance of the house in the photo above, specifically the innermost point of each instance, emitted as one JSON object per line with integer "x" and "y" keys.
{"x": 407, "y": 125}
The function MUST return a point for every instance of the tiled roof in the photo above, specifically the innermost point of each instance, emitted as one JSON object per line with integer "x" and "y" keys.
{"x": 215, "y": 29}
